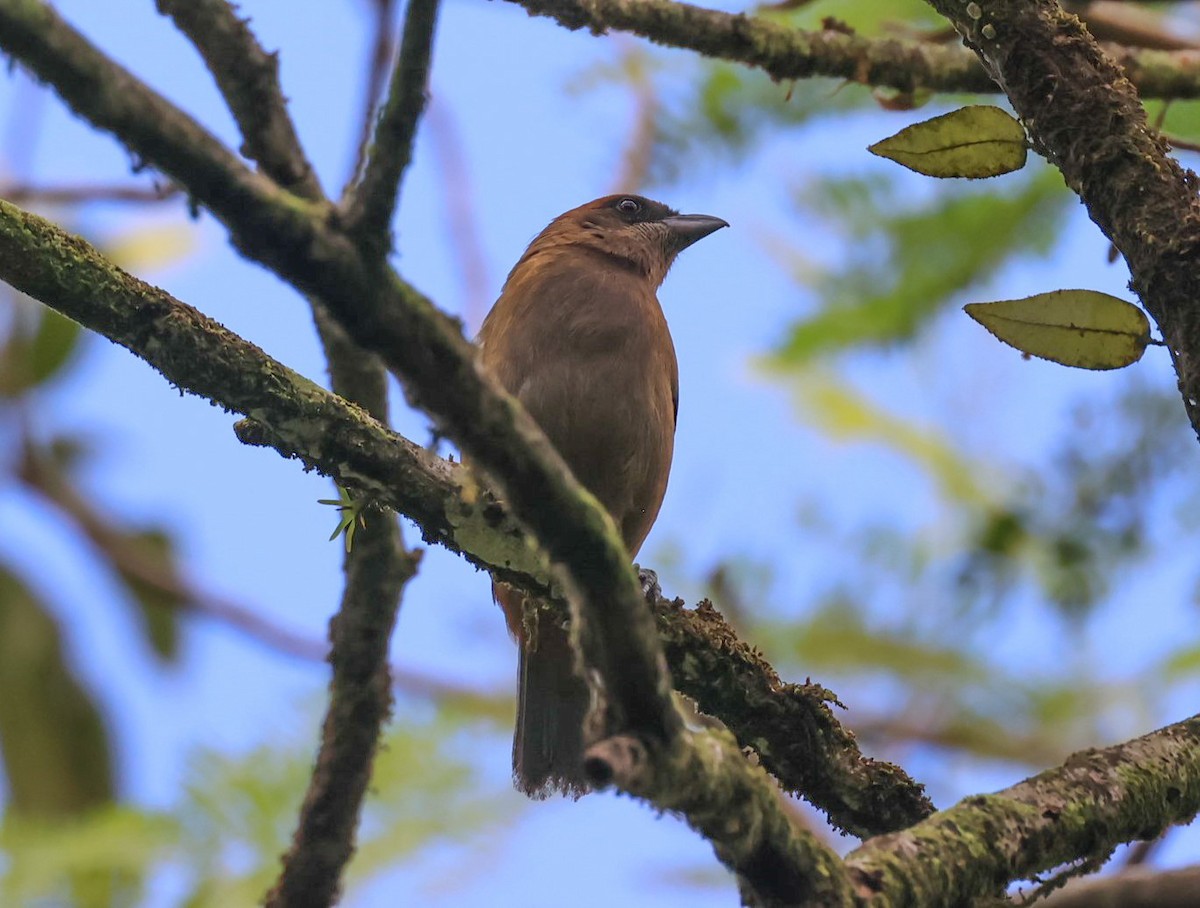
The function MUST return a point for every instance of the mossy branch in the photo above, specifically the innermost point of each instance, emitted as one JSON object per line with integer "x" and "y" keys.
{"x": 787, "y": 53}
{"x": 1095, "y": 801}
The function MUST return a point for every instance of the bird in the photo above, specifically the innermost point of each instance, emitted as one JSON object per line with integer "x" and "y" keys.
{"x": 577, "y": 335}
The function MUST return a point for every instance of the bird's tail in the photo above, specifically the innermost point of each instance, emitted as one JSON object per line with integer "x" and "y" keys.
{"x": 551, "y": 704}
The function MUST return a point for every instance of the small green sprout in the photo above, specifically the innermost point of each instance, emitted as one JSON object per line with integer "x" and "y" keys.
{"x": 352, "y": 514}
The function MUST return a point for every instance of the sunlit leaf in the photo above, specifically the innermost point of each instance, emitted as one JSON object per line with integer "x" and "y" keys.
{"x": 1081, "y": 328}
{"x": 972, "y": 142}
{"x": 845, "y": 414}
{"x": 150, "y": 247}
{"x": 92, "y": 860}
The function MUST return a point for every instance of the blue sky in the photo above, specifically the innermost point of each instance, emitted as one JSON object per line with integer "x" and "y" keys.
{"x": 249, "y": 524}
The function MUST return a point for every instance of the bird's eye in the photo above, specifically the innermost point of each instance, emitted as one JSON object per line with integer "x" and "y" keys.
{"x": 629, "y": 206}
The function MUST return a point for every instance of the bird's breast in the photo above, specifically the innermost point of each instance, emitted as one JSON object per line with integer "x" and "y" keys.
{"x": 591, "y": 358}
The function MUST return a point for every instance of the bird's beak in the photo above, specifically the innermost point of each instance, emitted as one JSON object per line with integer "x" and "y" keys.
{"x": 688, "y": 228}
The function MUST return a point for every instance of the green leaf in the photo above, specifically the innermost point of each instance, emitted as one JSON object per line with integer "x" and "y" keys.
{"x": 52, "y": 345}
{"x": 1081, "y": 328}
{"x": 40, "y": 343}
{"x": 150, "y": 247}
{"x": 351, "y": 515}
{"x": 98, "y": 859}
{"x": 53, "y": 741}
{"x": 932, "y": 253}
{"x": 843, "y": 413}
{"x": 972, "y": 142}
{"x": 153, "y": 554}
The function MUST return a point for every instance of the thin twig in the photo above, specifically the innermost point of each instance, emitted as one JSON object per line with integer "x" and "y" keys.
{"x": 112, "y": 543}
{"x": 1131, "y": 27}
{"x": 1141, "y": 852}
{"x": 639, "y": 148}
{"x": 29, "y": 194}
{"x": 1178, "y": 143}
{"x": 370, "y": 204}
{"x": 382, "y": 49}
{"x": 248, "y": 78}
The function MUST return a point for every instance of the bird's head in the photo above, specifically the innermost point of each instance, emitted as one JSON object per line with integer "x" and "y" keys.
{"x": 630, "y": 230}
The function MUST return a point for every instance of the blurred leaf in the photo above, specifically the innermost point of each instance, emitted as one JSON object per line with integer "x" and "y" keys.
{"x": 972, "y": 142}
{"x": 56, "y": 339}
{"x": 53, "y": 740}
{"x": 39, "y": 345}
{"x": 90, "y": 861}
{"x": 426, "y": 789}
{"x": 866, "y": 17}
{"x": 962, "y": 238}
{"x": 1081, "y": 328}
{"x": 1183, "y": 663}
{"x": 938, "y": 690}
{"x": 450, "y": 804}
{"x": 844, "y": 414}
{"x": 837, "y": 638}
{"x": 159, "y": 604}
{"x": 143, "y": 560}
{"x": 148, "y": 248}
{"x": 720, "y": 110}
{"x": 1180, "y": 118}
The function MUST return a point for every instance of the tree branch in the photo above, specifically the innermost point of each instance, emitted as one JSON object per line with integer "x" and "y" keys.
{"x": 248, "y": 78}
{"x": 1085, "y": 808}
{"x": 786, "y": 53}
{"x": 378, "y": 567}
{"x": 377, "y": 71}
{"x": 1144, "y": 887}
{"x": 78, "y": 194}
{"x": 791, "y": 727}
{"x": 359, "y": 703}
{"x": 370, "y": 205}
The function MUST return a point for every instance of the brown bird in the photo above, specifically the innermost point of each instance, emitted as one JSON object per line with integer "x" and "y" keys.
{"x": 579, "y": 338}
